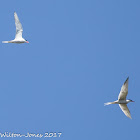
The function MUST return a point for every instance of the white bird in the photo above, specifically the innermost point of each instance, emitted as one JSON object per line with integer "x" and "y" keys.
{"x": 19, "y": 30}
{"x": 122, "y": 99}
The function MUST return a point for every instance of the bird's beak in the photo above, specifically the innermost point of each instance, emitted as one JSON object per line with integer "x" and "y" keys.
{"x": 133, "y": 101}
{"x": 27, "y": 42}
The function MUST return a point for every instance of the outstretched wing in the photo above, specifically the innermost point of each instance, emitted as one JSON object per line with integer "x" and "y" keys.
{"x": 19, "y": 28}
{"x": 124, "y": 90}
{"x": 125, "y": 110}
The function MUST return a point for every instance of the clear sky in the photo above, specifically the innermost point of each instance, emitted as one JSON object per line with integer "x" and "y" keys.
{"x": 80, "y": 52}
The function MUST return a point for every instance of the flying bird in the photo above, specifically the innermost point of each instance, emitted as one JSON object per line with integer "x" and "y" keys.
{"x": 18, "y": 37}
{"x": 122, "y": 99}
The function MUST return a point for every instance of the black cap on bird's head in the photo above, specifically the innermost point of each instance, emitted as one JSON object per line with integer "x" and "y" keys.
{"x": 130, "y": 100}
{"x": 27, "y": 41}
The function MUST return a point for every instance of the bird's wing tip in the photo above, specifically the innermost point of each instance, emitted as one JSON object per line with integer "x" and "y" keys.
{"x": 126, "y": 80}
{"x": 15, "y": 13}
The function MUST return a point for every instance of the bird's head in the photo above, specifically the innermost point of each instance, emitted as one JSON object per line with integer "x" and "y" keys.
{"x": 27, "y": 41}
{"x": 130, "y": 100}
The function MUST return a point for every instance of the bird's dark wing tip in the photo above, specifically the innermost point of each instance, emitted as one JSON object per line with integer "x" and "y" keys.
{"x": 126, "y": 79}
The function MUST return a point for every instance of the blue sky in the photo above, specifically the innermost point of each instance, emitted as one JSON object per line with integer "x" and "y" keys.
{"x": 79, "y": 55}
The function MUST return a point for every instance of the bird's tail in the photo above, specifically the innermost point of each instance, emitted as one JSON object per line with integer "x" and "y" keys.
{"x": 5, "y": 41}
{"x": 108, "y": 103}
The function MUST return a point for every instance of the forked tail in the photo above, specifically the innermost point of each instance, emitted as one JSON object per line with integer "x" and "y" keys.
{"x": 108, "y": 103}
{"x": 5, "y": 41}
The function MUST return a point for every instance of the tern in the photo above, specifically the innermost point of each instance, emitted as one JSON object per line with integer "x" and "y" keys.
{"x": 122, "y": 99}
{"x": 18, "y": 37}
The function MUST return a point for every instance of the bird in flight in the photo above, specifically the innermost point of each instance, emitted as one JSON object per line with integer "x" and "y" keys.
{"x": 122, "y": 99}
{"x": 18, "y": 38}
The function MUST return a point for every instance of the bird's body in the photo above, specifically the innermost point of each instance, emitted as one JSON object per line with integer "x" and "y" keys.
{"x": 18, "y": 37}
{"x": 122, "y": 99}
{"x": 118, "y": 102}
{"x": 14, "y": 41}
